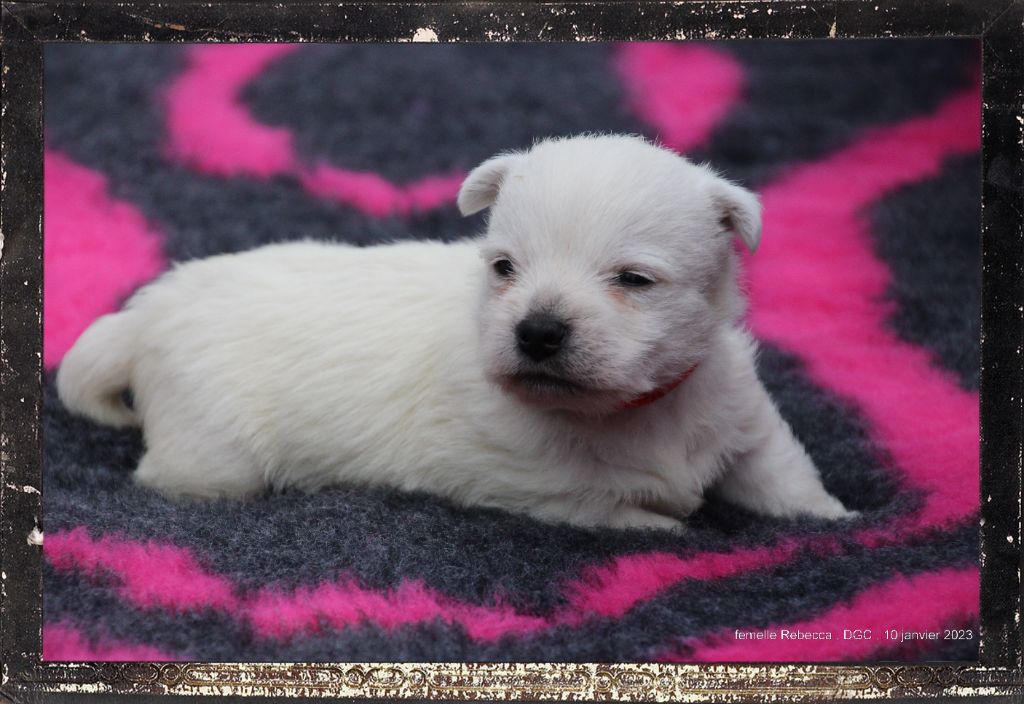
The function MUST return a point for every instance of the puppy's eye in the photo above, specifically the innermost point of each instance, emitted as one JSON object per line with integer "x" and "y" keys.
{"x": 632, "y": 279}
{"x": 503, "y": 268}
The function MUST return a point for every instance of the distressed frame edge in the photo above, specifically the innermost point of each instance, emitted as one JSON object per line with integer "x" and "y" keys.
{"x": 22, "y": 672}
{"x": 539, "y": 20}
{"x": 21, "y": 160}
{"x": 1000, "y": 530}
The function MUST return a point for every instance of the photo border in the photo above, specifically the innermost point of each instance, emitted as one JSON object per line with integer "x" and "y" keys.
{"x": 27, "y": 26}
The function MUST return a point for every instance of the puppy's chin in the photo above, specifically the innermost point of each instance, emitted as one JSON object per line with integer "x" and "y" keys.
{"x": 552, "y": 392}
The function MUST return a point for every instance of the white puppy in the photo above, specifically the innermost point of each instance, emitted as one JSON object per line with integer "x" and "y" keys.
{"x": 589, "y": 368}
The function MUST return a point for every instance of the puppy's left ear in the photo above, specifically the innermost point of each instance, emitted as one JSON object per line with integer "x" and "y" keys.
{"x": 480, "y": 189}
{"x": 740, "y": 211}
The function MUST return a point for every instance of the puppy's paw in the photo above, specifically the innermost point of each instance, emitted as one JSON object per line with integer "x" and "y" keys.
{"x": 668, "y": 524}
{"x": 832, "y": 510}
{"x": 638, "y": 518}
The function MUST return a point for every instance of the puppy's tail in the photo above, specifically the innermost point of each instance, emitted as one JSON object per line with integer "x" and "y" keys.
{"x": 97, "y": 371}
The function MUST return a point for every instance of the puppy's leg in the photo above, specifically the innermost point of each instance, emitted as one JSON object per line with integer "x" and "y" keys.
{"x": 202, "y": 469}
{"x": 777, "y": 477}
{"x": 592, "y": 513}
{"x": 629, "y": 516}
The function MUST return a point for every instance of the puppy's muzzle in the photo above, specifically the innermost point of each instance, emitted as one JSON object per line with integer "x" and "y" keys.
{"x": 540, "y": 336}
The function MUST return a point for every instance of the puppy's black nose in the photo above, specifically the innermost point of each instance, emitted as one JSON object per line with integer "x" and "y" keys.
{"x": 540, "y": 336}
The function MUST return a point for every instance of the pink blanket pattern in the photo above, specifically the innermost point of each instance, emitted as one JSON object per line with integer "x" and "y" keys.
{"x": 816, "y": 290}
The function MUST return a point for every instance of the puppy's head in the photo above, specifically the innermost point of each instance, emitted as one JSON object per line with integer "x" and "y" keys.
{"x": 608, "y": 265}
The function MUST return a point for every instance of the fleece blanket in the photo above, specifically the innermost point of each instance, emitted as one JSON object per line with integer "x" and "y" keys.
{"x": 865, "y": 295}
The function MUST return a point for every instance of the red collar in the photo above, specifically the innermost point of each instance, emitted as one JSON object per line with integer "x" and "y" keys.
{"x": 660, "y": 392}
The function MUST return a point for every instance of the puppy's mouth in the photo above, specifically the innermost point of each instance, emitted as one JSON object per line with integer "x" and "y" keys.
{"x": 543, "y": 384}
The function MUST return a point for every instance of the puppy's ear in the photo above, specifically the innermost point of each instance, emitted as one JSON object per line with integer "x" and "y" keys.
{"x": 480, "y": 189}
{"x": 740, "y": 211}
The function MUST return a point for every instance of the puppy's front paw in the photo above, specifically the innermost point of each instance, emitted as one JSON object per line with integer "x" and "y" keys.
{"x": 831, "y": 509}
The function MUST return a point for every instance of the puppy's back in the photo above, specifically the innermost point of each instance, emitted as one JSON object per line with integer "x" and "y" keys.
{"x": 311, "y": 357}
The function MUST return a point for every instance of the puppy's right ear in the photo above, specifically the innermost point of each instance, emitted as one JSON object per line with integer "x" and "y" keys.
{"x": 480, "y": 189}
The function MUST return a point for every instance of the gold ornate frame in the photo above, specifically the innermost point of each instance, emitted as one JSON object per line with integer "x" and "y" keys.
{"x": 531, "y": 681}
{"x": 27, "y": 25}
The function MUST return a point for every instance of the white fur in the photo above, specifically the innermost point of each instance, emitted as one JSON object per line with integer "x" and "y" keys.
{"x": 309, "y": 364}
